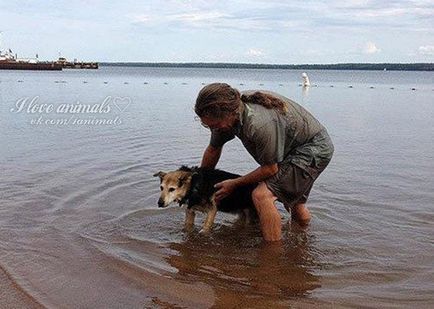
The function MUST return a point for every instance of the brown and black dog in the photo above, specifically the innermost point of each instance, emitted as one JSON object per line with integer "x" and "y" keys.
{"x": 194, "y": 187}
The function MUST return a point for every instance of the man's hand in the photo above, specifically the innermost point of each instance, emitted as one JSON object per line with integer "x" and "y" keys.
{"x": 224, "y": 188}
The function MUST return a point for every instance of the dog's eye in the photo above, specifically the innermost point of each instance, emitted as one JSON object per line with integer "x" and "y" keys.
{"x": 161, "y": 188}
{"x": 171, "y": 189}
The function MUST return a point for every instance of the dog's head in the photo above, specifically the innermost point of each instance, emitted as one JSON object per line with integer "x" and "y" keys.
{"x": 174, "y": 186}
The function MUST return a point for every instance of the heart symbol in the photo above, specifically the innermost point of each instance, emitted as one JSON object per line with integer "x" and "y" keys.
{"x": 122, "y": 103}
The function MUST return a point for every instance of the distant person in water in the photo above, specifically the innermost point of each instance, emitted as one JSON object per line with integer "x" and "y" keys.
{"x": 290, "y": 145}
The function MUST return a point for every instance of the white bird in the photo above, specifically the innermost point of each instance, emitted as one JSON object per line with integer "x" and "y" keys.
{"x": 306, "y": 82}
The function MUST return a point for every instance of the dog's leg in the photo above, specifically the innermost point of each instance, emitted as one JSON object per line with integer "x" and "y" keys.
{"x": 189, "y": 219}
{"x": 242, "y": 218}
{"x": 247, "y": 216}
{"x": 209, "y": 220}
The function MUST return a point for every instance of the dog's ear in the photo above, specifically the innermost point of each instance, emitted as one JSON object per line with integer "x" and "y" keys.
{"x": 183, "y": 179}
{"x": 160, "y": 174}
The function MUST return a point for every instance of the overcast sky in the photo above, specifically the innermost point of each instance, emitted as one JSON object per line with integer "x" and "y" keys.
{"x": 247, "y": 31}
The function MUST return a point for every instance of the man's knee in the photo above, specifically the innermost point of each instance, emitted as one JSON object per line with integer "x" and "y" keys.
{"x": 262, "y": 194}
{"x": 301, "y": 214}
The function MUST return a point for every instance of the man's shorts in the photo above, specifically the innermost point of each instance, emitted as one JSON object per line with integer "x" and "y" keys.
{"x": 297, "y": 173}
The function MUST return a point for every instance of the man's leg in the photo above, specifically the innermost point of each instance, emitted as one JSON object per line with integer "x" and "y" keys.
{"x": 269, "y": 217}
{"x": 301, "y": 214}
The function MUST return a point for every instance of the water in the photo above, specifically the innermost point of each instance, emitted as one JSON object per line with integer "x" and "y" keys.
{"x": 80, "y": 227}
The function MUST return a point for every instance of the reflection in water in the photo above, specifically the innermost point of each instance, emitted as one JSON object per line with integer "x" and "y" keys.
{"x": 305, "y": 93}
{"x": 242, "y": 269}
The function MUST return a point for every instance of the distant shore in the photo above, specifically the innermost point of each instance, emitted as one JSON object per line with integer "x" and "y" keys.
{"x": 338, "y": 66}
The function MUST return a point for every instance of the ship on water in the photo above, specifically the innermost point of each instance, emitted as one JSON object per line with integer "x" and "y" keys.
{"x": 76, "y": 64}
{"x": 9, "y": 61}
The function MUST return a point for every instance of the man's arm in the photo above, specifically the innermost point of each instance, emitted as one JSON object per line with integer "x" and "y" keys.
{"x": 225, "y": 188}
{"x": 258, "y": 175}
{"x": 211, "y": 157}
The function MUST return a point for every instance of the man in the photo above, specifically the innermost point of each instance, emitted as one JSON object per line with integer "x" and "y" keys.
{"x": 290, "y": 145}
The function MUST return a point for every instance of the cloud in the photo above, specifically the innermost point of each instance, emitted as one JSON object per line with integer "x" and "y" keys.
{"x": 255, "y": 52}
{"x": 279, "y": 17}
{"x": 191, "y": 17}
{"x": 299, "y": 31}
{"x": 197, "y": 16}
{"x": 142, "y": 18}
{"x": 371, "y": 48}
{"x": 427, "y": 50}
{"x": 215, "y": 20}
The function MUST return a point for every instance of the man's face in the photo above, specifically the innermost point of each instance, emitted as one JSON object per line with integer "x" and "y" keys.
{"x": 224, "y": 124}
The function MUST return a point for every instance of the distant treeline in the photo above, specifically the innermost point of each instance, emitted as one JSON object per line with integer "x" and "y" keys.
{"x": 338, "y": 66}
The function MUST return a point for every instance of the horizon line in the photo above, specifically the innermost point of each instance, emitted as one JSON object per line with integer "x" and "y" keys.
{"x": 257, "y": 63}
{"x": 384, "y": 66}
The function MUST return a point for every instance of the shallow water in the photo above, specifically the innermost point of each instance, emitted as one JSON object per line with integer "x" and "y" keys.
{"x": 79, "y": 220}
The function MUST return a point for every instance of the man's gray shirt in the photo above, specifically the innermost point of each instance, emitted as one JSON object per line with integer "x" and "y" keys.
{"x": 271, "y": 136}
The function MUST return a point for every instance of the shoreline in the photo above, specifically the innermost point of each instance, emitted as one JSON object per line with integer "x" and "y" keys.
{"x": 12, "y": 295}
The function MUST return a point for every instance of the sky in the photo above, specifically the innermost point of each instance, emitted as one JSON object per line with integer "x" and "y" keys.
{"x": 246, "y": 31}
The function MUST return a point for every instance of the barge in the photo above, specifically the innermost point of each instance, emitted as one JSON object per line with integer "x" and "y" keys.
{"x": 9, "y": 61}
{"x": 76, "y": 64}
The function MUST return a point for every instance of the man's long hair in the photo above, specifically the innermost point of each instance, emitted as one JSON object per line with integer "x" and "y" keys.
{"x": 219, "y": 100}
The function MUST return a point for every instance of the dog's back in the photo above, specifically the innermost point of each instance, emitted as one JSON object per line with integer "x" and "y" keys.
{"x": 202, "y": 190}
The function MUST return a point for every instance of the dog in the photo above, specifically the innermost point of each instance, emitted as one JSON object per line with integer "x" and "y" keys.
{"x": 194, "y": 187}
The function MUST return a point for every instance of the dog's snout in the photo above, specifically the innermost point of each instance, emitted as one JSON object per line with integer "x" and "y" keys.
{"x": 160, "y": 202}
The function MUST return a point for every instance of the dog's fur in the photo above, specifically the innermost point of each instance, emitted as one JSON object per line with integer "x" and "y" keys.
{"x": 194, "y": 187}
